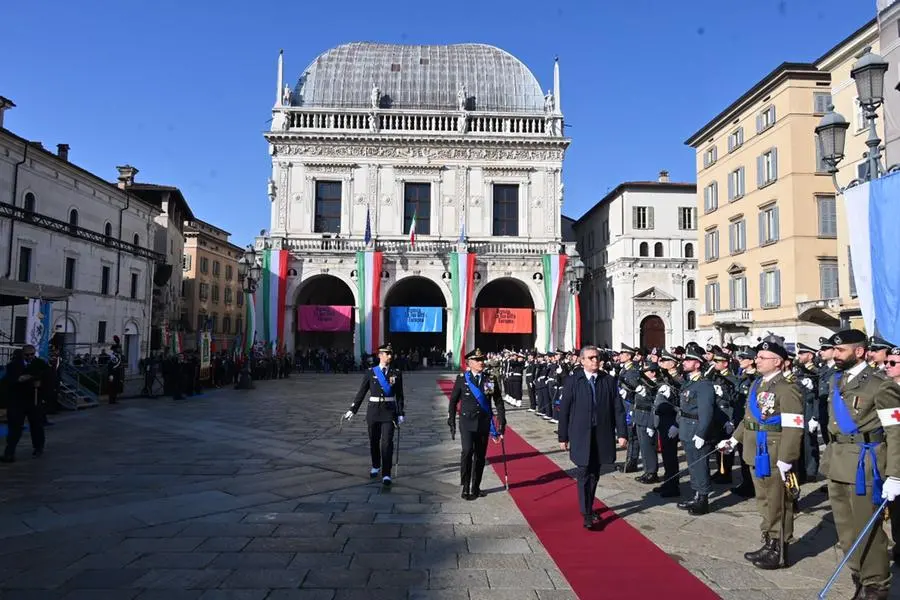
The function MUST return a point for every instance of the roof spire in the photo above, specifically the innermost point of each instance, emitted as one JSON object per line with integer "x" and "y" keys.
{"x": 279, "y": 91}
{"x": 558, "y": 103}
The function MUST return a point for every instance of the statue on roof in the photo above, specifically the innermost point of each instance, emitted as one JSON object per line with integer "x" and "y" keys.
{"x": 462, "y": 97}
{"x": 375, "y": 96}
{"x": 286, "y": 95}
{"x": 549, "y": 102}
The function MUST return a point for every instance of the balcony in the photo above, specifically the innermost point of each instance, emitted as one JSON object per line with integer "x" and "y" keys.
{"x": 423, "y": 247}
{"x": 733, "y": 317}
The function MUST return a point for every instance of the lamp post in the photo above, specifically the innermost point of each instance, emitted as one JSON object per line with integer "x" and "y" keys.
{"x": 576, "y": 277}
{"x": 249, "y": 270}
{"x": 831, "y": 133}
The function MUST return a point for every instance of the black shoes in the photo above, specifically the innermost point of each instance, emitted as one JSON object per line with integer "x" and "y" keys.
{"x": 465, "y": 494}
{"x": 774, "y": 556}
{"x": 752, "y": 556}
{"x": 38, "y": 453}
{"x": 588, "y": 522}
{"x": 686, "y": 504}
{"x": 629, "y": 467}
{"x": 648, "y": 478}
{"x": 698, "y": 505}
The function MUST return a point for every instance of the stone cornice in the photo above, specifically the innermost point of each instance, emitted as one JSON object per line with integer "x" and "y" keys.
{"x": 402, "y": 139}
{"x": 465, "y": 150}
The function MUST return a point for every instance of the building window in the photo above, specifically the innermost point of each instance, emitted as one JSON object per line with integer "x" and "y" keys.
{"x": 186, "y": 262}
{"x": 736, "y": 184}
{"x": 642, "y": 217}
{"x": 215, "y": 293}
{"x": 686, "y": 218}
{"x": 184, "y": 286}
{"x": 73, "y": 217}
{"x": 735, "y": 139}
{"x": 240, "y": 298}
{"x": 606, "y": 231}
{"x": 216, "y": 268}
{"x": 107, "y": 230}
{"x": 328, "y": 207}
{"x": 711, "y": 240}
{"x": 590, "y": 241}
{"x": 644, "y": 249}
{"x": 134, "y": 285}
{"x": 228, "y": 295}
{"x": 737, "y": 288}
{"x": 19, "y": 328}
{"x": 710, "y": 156}
{"x": 506, "y": 209}
{"x": 213, "y": 322}
{"x": 765, "y": 119}
{"x": 821, "y": 102}
{"x": 226, "y": 325}
{"x": 852, "y": 278}
{"x": 228, "y": 272}
{"x": 104, "y": 280}
{"x": 239, "y": 326}
{"x": 691, "y": 290}
{"x": 28, "y": 203}
{"x": 24, "y": 263}
{"x": 827, "y": 208}
{"x": 711, "y": 197}
{"x": 691, "y": 320}
{"x": 712, "y": 297}
{"x": 204, "y": 264}
{"x": 137, "y": 240}
{"x": 201, "y": 322}
{"x": 767, "y": 168}
{"x": 768, "y": 226}
{"x": 770, "y": 288}
{"x": 417, "y": 201}
{"x": 69, "y": 283}
{"x": 204, "y": 291}
{"x": 101, "y": 332}
{"x": 689, "y": 250}
{"x": 828, "y": 279}
{"x": 658, "y": 249}
{"x": 737, "y": 236}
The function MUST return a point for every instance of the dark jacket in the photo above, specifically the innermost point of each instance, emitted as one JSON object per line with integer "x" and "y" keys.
{"x": 471, "y": 416}
{"x": 380, "y": 412}
{"x": 575, "y": 411}
{"x": 22, "y": 392}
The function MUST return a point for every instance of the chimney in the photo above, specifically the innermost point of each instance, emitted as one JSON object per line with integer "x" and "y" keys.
{"x": 663, "y": 177}
{"x": 62, "y": 151}
{"x": 126, "y": 176}
{"x": 5, "y": 104}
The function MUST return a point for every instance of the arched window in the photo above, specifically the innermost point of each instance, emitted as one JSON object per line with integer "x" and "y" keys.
{"x": 137, "y": 240}
{"x": 644, "y": 249}
{"x": 658, "y": 249}
{"x": 691, "y": 289}
{"x": 107, "y": 230}
{"x": 73, "y": 217}
{"x": 28, "y": 203}
{"x": 689, "y": 250}
{"x": 691, "y": 320}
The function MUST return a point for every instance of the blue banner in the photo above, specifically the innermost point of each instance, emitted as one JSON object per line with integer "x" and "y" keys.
{"x": 417, "y": 319}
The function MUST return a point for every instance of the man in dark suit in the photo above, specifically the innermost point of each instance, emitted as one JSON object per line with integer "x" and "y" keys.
{"x": 475, "y": 390}
{"x": 591, "y": 422}
{"x": 25, "y": 374}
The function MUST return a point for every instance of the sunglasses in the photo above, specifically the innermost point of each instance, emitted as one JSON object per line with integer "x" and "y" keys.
{"x": 892, "y": 363}
{"x": 29, "y": 355}
{"x": 594, "y": 357}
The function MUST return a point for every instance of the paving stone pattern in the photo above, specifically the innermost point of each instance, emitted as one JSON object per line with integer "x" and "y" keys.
{"x": 251, "y": 495}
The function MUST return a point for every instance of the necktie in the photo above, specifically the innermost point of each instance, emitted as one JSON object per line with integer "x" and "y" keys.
{"x": 384, "y": 371}
{"x": 593, "y": 380}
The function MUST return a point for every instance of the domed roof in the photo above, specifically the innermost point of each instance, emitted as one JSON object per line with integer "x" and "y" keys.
{"x": 423, "y": 77}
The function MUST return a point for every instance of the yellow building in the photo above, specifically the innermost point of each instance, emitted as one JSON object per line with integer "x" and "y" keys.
{"x": 213, "y": 298}
{"x": 767, "y": 208}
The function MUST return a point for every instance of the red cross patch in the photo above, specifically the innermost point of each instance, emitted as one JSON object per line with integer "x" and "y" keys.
{"x": 799, "y": 420}
{"x": 896, "y": 415}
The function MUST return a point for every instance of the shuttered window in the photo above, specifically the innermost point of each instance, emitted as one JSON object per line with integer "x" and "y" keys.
{"x": 770, "y": 288}
{"x": 765, "y": 119}
{"x": 828, "y": 279}
{"x": 710, "y": 157}
{"x": 736, "y": 184}
{"x": 737, "y": 289}
{"x": 642, "y": 217}
{"x": 767, "y": 167}
{"x": 768, "y": 226}
{"x": 712, "y": 297}
{"x": 711, "y": 240}
{"x": 821, "y": 102}
{"x": 686, "y": 218}
{"x": 736, "y": 139}
{"x": 711, "y": 197}
{"x": 737, "y": 237}
{"x": 827, "y": 209}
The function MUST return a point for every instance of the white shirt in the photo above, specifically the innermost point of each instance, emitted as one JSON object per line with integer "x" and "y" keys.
{"x": 770, "y": 376}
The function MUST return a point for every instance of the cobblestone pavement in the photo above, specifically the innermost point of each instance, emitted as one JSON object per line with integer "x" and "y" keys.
{"x": 246, "y": 495}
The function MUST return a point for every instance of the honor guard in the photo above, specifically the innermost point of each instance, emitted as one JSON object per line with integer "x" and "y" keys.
{"x": 725, "y": 384}
{"x": 472, "y": 396}
{"x": 629, "y": 378}
{"x": 747, "y": 375}
{"x": 529, "y": 378}
{"x": 384, "y": 385}
{"x": 807, "y": 377}
{"x": 645, "y": 421}
{"x": 695, "y": 422}
{"x": 826, "y": 373}
{"x": 771, "y": 433}
{"x": 515, "y": 373}
{"x": 665, "y": 409}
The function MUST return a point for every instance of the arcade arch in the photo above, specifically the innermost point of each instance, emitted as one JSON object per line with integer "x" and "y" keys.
{"x": 515, "y": 328}
{"x": 325, "y": 314}
{"x": 415, "y": 315}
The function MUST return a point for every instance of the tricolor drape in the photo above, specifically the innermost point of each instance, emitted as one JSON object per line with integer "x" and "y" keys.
{"x": 554, "y": 271}
{"x": 573, "y": 323}
{"x": 270, "y": 297}
{"x": 875, "y": 264}
{"x": 462, "y": 279}
{"x": 368, "y": 279}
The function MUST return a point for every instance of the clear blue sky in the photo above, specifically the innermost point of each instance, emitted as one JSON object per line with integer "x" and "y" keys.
{"x": 183, "y": 89}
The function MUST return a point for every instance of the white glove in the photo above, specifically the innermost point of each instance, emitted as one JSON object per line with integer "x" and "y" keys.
{"x": 558, "y": 370}
{"x": 783, "y": 468}
{"x": 641, "y": 390}
{"x": 110, "y": 377}
{"x": 890, "y": 489}
{"x": 623, "y": 394}
{"x": 813, "y": 425}
{"x": 698, "y": 442}
{"x": 348, "y": 415}
{"x": 718, "y": 389}
{"x": 665, "y": 390}
{"x": 673, "y": 432}
{"x": 729, "y": 428}
{"x": 650, "y": 431}
{"x": 727, "y": 445}
{"x": 807, "y": 383}
{"x": 400, "y": 420}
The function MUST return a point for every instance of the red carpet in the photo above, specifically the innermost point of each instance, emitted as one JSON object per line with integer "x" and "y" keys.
{"x": 617, "y": 562}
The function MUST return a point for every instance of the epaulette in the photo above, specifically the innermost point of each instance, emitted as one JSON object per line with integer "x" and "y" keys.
{"x": 790, "y": 377}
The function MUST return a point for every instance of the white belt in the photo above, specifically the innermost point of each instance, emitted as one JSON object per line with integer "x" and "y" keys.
{"x": 382, "y": 399}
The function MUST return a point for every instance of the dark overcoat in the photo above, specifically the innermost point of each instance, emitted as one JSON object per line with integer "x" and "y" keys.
{"x": 575, "y": 417}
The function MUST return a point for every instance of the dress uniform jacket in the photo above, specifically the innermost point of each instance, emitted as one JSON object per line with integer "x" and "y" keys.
{"x": 472, "y": 416}
{"x": 382, "y": 408}
{"x": 777, "y": 396}
{"x": 696, "y": 409}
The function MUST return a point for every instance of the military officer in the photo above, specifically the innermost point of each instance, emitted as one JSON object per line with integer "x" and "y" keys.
{"x": 695, "y": 423}
{"x": 748, "y": 374}
{"x": 645, "y": 421}
{"x": 865, "y": 407}
{"x": 473, "y": 393}
{"x": 726, "y": 385}
{"x": 666, "y": 421}
{"x": 384, "y": 385}
{"x": 826, "y": 374}
{"x": 629, "y": 377}
{"x": 529, "y": 378}
{"x": 878, "y": 351}
{"x": 892, "y": 370}
{"x": 771, "y": 433}
{"x": 514, "y": 376}
{"x": 807, "y": 377}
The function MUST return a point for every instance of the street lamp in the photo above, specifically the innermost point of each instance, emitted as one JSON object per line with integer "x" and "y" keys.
{"x": 831, "y": 133}
{"x": 249, "y": 270}
{"x": 576, "y": 275}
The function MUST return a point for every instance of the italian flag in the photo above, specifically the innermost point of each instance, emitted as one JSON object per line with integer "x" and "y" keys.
{"x": 554, "y": 271}
{"x": 462, "y": 270}
{"x": 272, "y": 293}
{"x": 412, "y": 230}
{"x": 368, "y": 279}
{"x": 573, "y": 328}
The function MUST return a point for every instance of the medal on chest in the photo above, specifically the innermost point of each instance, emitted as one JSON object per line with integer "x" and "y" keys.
{"x": 392, "y": 379}
{"x": 488, "y": 386}
{"x": 765, "y": 401}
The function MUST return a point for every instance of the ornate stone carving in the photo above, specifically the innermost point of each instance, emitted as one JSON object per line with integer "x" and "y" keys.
{"x": 298, "y": 197}
{"x": 448, "y": 200}
{"x": 361, "y": 199}
{"x": 536, "y": 201}
{"x": 283, "y": 196}
{"x": 418, "y": 170}
{"x": 345, "y": 170}
{"x": 372, "y": 183}
{"x": 476, "y": 200}
{"x": 507, "y": 171}
{"x": 387, "y": 200}
{"x": 549, "y": 193}
{"x": 462, "y": 178}
{"x": 411, "y": 151}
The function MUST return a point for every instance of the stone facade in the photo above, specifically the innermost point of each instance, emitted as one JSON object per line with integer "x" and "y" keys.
{"x": 456, "y": 157}
{"x": 639, "y": 245}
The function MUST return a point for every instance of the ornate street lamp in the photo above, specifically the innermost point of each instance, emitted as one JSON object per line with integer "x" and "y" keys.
{"x": 868, "y": 73}
{"x": 249, "y": 270}
{"x": 576, "y": 275}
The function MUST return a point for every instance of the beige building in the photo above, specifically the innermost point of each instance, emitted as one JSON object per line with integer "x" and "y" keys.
{"x": 768, "y": 216}
{"x": 211, "y": 288}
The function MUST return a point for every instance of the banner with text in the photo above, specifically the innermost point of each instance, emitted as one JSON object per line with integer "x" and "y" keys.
{"x": 505, "y": 320}
{"x": 320, "y": 317}
{"x": 416, "y": 319}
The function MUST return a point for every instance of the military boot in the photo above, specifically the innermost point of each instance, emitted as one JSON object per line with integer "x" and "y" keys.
{"x": 774, "y": 556}
{"x": 857, "y": 586}
{"x": 700, "y": 506}
{"x": 752, "y": 556}
{"x": 687, "y": 504}
{"x": 871, "y": 593}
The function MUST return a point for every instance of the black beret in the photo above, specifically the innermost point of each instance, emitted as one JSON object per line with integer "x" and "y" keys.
{"x": 475, "y": 354}
{"x": 848, "y": 336}
{"x": 774, "y": 347}
{"x": 801, "y": 348}
{"x": 879, "y": 343}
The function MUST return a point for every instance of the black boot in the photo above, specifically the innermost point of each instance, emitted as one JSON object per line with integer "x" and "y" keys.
{"x": 774, "y": 556}
{"x": 648, "y": 478}
{"x": 857, "y": 586}
{"x": 631, "y": 467}
{"x": 871, "y": 593}
{"x": 465, "y": 493}
{"x": 700, "y": 506}
{"x": 751, "y": 556}
{"x": 687, "y": 504}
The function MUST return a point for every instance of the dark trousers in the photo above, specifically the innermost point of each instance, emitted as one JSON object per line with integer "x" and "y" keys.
{"x": 381, "y": 446}
{"x": 472, "y": 459}
{"x": 632, "y": 453}
{"x": 543, "y": 401}
{"x": 699, "y": 472}
{"x": 648, "y": 450}
{"x": 810, "y": 456}
{"x": 669, "y": 458}
{"x": 15, "y": 416}
{"x": 532, "y": 402}
{"x": 587, "y": 476}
